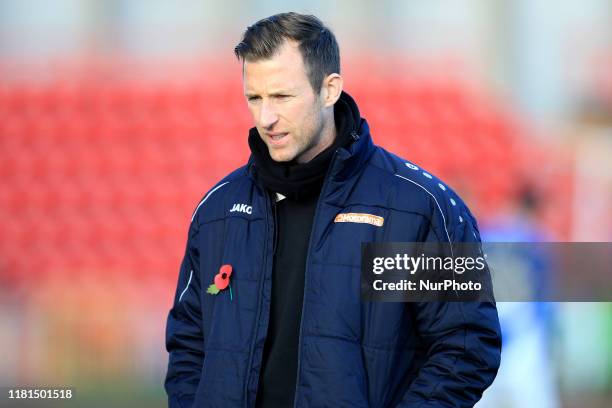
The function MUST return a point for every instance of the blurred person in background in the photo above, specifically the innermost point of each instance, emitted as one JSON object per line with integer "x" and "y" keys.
{"x": 526, "y": 375}
{"x": 267, "y": 310}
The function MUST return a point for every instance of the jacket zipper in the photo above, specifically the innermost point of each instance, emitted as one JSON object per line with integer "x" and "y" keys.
{"x": 274, "y": 226}
{"x": 259, "y": 304}
{"x": 312, "y": 234}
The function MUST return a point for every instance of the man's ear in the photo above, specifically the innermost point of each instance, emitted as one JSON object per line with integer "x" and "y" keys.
{"x": 331, "y": 89}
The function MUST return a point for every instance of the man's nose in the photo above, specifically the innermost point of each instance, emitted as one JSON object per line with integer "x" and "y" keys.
{"x": 267, "y": 115}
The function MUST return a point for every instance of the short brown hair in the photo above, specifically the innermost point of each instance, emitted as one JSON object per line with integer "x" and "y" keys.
{"x": 317, "y": 43}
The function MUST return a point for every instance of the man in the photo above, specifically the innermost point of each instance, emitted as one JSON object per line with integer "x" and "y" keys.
{"x": 267, "y": 309}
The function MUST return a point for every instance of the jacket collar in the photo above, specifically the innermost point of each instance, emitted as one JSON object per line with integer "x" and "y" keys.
{"x": 350, "y": 160}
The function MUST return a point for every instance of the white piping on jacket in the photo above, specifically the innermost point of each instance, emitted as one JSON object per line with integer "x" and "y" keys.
{"x": 186, "y": 287}
{"x": 439, "y": 208}
{"x": 206, "y": 198}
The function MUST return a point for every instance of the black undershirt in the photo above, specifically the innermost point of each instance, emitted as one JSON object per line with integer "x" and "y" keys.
{"x": 279, "y": 370}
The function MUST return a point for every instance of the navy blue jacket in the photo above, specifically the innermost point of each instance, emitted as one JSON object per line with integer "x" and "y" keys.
{"x": 351, "y": 353}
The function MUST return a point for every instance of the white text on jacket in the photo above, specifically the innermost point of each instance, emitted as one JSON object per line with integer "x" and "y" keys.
{"x": 243, "y": 208}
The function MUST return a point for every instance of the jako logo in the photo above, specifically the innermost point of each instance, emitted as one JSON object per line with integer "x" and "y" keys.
{"x": 243, "y": 208}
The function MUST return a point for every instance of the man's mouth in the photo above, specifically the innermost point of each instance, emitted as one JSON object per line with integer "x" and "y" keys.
{"x": 276, "y": 138}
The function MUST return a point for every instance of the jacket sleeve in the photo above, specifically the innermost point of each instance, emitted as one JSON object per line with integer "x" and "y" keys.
{"x": 184, "y": 338}
{"x": 462, "y": 339}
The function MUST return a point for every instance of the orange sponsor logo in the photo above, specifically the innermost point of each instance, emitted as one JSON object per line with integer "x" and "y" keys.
{"x": 360, "y": 218}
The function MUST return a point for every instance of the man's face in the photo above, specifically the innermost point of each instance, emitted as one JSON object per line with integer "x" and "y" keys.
{"x": 285, "y": 109}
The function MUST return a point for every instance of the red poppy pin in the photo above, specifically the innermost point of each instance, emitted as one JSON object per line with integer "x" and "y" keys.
{"x": 222, "y": 281}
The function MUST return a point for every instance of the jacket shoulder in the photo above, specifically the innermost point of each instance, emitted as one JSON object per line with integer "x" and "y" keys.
{"x": 417, "y": 189}
{"x": 214, "y": 198}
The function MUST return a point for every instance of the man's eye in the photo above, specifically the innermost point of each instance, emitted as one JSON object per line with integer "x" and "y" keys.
{"x": 252, "y": 98}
